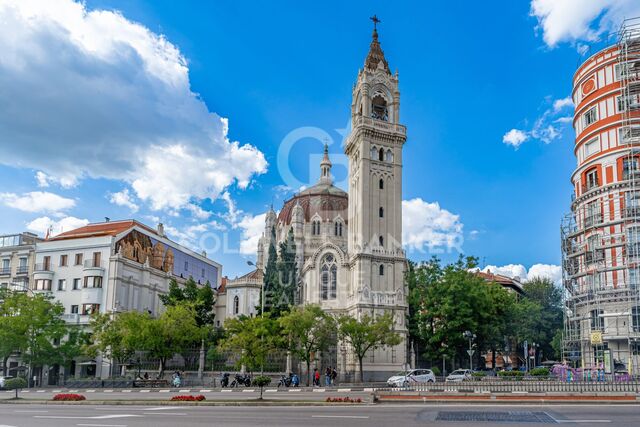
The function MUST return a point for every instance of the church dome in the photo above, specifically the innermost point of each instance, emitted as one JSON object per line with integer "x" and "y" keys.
{"x": 326, "y": 200}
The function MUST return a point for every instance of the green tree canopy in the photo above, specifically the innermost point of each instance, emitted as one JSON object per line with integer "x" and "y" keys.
{"x": 307, "y": 330}
{"x": 252, "y": 338}
{"x": 368, "y": 333}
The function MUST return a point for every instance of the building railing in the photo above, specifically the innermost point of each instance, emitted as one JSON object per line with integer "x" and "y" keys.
{"x": 43, "y": 267}
{"x": 93, "y": 263}
{"x": 5, "y": 271}
{"x": 590, "y": 186}
{"x": 591, "y": 220}
{"x": 22, "y": 269}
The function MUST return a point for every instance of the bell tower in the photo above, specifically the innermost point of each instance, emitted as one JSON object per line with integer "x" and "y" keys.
{"x": 374, "y": 148}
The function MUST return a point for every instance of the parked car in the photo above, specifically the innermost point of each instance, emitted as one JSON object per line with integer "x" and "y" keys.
{"x": 414, "y": 376}
{"x": 459, "y": 375}
{"x": 2, "y": 380}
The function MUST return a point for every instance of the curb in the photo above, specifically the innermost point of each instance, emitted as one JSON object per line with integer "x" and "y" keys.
{"x": 264, "y": 402}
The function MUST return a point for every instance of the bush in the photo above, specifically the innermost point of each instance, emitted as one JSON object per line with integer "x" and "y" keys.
{"x": 479, "y": 374}
{"x": 346, "y": 399}
{"x": 513, "y": 375}
{"x": 68, "y": 397}
{"x": 15, "y": 384}
{"x": 436, "y": 371}
{"x": 261, "y": 380}
{"x": 188, "y": 398}
{"x": 539, "y": 372}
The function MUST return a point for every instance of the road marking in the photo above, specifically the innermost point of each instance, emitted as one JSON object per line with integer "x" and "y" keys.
{"x": 26, "y": 391}
{"x": 108, "y": 391}
{"x": 90, "y": 391}
{"x": 368, "y": 389}
{"x": 343, "y": 390}
{"x": 73, "y": 391}
{"x": 226, "y": 390}
{"x": 270, "y": 390}
{"x": 97, "y": 417}
{"x": 40, "y": 391}
{"x": 164, "y": 391}
{"x": 57, "y": 391}
{"x": 160, "y": 408}
{"x": 295, "y": 390}
{"x": 251, "y": 390}
{"x": 31, "y": 412}
{"x": 102, "y": 425}
{"x": 362, "y": 417}
{"x": 185, "y": 391}
{"x": 583, "y": 421}
{"x": 318, "y": 390}
{"x": 165, "y": 413}
{"x": 126, "y": 391}
{"x": 145, "y": 391}
{"x": 205, "y": 391}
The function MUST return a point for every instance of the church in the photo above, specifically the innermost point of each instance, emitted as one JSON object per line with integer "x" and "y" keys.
{"x": 349, "y": 244}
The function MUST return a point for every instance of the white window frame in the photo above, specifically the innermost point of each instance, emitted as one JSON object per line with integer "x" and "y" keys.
{"x": 595, "y": 142}
{"x": 585, "y": 116}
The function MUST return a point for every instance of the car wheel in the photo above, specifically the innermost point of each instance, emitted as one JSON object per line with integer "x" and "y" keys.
{"x": 405, "y": 384}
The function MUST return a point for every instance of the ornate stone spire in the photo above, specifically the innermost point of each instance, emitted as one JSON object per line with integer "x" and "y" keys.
{"x": 325, "y": 167}
{"x": 376, "y": 55}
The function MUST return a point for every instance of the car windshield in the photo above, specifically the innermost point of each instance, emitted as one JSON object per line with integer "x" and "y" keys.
{"x": 458, "y": 372}
{"x": 401, "y": 374}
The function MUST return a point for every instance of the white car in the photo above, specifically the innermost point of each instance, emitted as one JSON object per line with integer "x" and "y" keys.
{"x": 2, "y": 380}
{"x": 459, "y": 375}
{"x": 414, "y": 376}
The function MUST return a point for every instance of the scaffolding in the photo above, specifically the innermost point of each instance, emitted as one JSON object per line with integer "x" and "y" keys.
{"x": 601, "y": 244}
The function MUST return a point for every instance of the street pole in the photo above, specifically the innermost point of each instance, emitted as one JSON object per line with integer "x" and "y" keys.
{"x": 470, "y": 355}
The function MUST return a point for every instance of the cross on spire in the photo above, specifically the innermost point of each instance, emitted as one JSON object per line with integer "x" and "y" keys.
{"x": 376, "y": 21}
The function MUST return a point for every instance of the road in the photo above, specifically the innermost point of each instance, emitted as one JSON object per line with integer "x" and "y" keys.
{"x": 36, "y": 415}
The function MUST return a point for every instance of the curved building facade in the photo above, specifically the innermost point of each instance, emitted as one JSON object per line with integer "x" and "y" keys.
{"x": 601, "y": 235}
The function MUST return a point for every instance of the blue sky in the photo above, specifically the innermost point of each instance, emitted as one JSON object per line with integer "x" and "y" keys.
{"x": 105, "y": 118}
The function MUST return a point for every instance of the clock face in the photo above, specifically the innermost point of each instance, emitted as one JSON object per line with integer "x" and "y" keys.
{"x": 588, "y": 86}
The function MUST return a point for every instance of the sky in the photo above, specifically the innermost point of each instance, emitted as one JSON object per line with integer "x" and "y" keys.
{"x": 202, "y": 114}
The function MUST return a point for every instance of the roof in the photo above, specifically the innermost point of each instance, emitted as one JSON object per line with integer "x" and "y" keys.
{"x": 326, "y": 200}
{"x": 256, "y": 274}
{"x": 376, "y": 55}
{"x": 513, "y": 283}
{"x": 223, "y": 285}
{"x": 111, "y": 228}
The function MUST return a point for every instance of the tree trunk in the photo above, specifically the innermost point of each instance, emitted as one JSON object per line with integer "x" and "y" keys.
{"x": 493, "y": 359}
{"x": 308, "y": 370}
{"x": 4, "y": 366}
{"x": 361, "y": 371}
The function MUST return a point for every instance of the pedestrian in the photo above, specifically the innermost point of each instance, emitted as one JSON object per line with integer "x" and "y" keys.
{"x": 327, "y": 377}
{"x": 334, "y": 376}
{"x": 316, "y": 377}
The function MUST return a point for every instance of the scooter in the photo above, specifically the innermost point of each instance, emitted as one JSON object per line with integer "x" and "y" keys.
{"x": 177, "y": 382}
{"x": 241, "y": 380}
{"x": 284, "y": 381}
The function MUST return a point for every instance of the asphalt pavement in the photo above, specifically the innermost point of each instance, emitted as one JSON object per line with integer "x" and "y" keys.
{"x": 36, "y": 415}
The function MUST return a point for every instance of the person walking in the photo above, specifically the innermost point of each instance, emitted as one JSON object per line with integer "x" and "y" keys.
{"x": 316, "y": 377}
{"x": 334, "y": 376}
{"x": 327, "y": 377}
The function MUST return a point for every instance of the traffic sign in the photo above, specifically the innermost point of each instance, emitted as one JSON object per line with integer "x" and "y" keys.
{"x": 470, "y": 352}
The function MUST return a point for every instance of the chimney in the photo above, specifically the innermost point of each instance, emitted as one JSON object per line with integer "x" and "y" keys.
{"x": 161, "y": 229}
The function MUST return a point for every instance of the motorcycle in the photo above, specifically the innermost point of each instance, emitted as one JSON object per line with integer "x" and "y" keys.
{"x": 177, "y": 382}
{"x": 284, "y": 381}
{"x": 241, "y": 379}
{"x": 224, "y": 382}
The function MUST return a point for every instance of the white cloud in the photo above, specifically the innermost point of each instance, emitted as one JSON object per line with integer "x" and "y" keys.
{"x": 543, "y": 128}
{"x": 198, "y": 212}
{"x": 427, "y": 226}
{"x": 580, "y": 20}
{"x": 42, "y": 180}
{"x": 252, "y": 228}
{"x": 92, "y": 85}
{"x": 36, "y": 201}
{"x": 63, "y": 180}
{"x": 42, "y": 224}
{"x": 552, "y": 272}
{"x": 515, "y": 137}
{"x": 123, "y": 198}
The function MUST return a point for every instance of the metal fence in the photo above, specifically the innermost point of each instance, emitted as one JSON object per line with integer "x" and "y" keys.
{"x": 526, "y": 386}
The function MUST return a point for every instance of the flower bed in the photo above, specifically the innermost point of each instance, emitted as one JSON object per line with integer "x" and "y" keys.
{"x": 346, "y": 399}
{"x": 188, "y": 398}
{"x": 69, "y": 397}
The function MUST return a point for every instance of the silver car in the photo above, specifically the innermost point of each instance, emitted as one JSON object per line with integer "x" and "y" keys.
{"x": 2, "y": 381}
{"x": 459, "y": 375}
{"x": 414, "y": 376}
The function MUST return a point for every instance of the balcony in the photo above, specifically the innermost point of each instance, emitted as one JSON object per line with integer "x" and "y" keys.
{"x": 71, "y": 317}
{"x": 592, "y": 220}
{"x": 92, "y": 267}
{"x": 91, "y": 295}
{"x": 22, "y": 269}
{"x": 43, "y": 271}
{"x": 5, "y": 271}
{"x": 589, "y": 186}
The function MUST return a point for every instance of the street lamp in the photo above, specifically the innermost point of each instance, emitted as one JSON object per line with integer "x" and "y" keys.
{"x": 471, "y": 337}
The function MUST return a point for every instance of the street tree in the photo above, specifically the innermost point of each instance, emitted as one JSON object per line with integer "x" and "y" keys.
{"x": 367, "y": 333}
{"x": 252, "y": 339}
{"x": 307, "y": 330}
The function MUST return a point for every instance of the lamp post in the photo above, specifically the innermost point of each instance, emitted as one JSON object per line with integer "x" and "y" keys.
{"x": 251, "y": 263}
{"x": 471, "y": 337}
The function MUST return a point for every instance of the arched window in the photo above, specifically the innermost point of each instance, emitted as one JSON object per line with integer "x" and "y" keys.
{"x": 381, "y": 240}
{"x": 381, "y": 184}
{"x": 328, "y": 278}
{"x": 381, "y": 155}
{"x": 338, "y": 228}
{"x": 236, "y": 305}
{"x": 379, "y": 109}
{"x": 381, "y": 212}
{"x": 374, "y": 153}
{"x": 381, "y": 270}
{"x": 389, "y": 156}
{"x": 315, "y": 228}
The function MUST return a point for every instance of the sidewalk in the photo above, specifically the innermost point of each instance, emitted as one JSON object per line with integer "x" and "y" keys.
{"x": 510, "y": 397}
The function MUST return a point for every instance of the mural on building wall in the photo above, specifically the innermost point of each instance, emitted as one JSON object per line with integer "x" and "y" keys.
{"x": 140, "y": 248}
